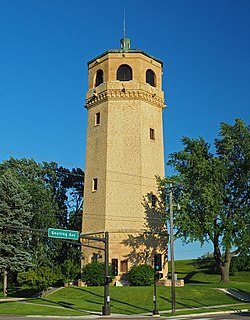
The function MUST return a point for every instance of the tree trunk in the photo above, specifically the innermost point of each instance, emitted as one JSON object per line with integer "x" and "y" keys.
{"x": 223, "y": 262}
{"x": 225, "y": 266}
{"x": 5, "y": 283}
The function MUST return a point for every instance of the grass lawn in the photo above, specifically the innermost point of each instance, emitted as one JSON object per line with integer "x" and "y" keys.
{"x": 200, "y": 291}
{"x": 22, "y": 308}
{"x": 236, "y": 307}
{"x": 131, "y": 300}
{"x": 194, "y": 274}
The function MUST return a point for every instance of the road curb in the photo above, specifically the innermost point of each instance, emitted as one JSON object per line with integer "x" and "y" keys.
{"x": 209, "y": 313}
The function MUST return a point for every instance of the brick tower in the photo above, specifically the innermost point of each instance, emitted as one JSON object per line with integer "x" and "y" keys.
{"x": 124, "y": 145}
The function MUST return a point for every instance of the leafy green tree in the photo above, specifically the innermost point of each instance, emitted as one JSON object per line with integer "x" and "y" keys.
{"x": 40, "y": 180}
{"x": 15, "y": 209}
{"x": 215, "y": 192}
{"x": 73, "y": 182}
{"x": 56, "y": 200}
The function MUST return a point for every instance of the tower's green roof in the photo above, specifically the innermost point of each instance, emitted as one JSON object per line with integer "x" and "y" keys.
{"x": 125, "y": 47}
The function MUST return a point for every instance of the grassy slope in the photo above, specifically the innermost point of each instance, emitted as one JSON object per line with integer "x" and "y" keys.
{"x": 202, "y": 275}
{"x": 22, "y": 308}
{"x": 131, "y": 300}
{"x": 200, "y": 290}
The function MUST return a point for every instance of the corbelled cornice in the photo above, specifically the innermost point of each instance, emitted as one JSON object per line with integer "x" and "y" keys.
{"x": 126, "y": 94}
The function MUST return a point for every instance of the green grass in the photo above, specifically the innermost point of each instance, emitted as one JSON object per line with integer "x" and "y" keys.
{"x": 202, "y": 275}
{"x": 237, "y": 307}
{"x": 22, "y": 308}
{"x": 131, "y": 300}
{"x": 200, "y": 291}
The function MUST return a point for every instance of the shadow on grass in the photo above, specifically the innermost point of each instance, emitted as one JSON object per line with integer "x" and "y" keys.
{"x": 123, "y": 308}
{"x": 140, "y": 309}
{"x": 186, "y": 305}
{"x": 68, "y": 306}
{"x": 189, "y": 276}
{"x": 22, "y": 293}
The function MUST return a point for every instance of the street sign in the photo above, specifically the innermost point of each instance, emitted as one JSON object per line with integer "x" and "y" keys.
{"x": 63, "y": 234}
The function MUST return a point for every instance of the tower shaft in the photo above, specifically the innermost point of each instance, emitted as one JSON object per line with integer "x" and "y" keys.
{"x": 124, "y": 144}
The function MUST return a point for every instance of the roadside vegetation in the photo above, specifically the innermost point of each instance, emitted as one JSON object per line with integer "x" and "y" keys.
{"x": 200, "y": 291}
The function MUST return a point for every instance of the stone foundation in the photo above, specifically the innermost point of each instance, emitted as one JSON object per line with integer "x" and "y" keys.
{"x": 168, "y": 283}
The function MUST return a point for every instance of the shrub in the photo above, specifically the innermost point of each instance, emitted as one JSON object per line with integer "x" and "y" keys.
{"x": 240, "y": 263}
{"x": 206, "y": 261}
{"x": 69, "y": 271}
{"x": 93, "y": 273}
{"x": 142, "y": 275}
{"x": 41, "y": 278}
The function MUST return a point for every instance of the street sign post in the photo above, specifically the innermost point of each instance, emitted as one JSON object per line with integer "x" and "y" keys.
{"x": 63, "y": 234}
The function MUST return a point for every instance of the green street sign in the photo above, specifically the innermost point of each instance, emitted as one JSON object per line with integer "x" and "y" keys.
{"x": 63, "y": 234}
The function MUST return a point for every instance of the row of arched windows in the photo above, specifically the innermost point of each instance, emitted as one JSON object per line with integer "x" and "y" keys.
{"x": 125, "y": 73}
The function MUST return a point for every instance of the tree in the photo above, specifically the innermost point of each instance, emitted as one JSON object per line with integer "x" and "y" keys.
{"x": 73, "y": 182}
{"x": 69, "y": 271}
{"x": 56, "y": 201}
{"x": 15, "y": 208}
{"x": 215, "y": 192}
{"x": 40, "y": 180}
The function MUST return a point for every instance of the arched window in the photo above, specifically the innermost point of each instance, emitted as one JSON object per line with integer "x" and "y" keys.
{"x": 99, "y": 77}
{"x": 150, "y": 77}
{"x": 124, "y": 73}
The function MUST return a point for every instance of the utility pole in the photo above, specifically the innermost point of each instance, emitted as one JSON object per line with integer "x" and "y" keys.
{"x": 172, "y": 247}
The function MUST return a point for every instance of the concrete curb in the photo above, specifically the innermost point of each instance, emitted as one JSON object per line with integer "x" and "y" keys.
{"x": 208, "y": 314}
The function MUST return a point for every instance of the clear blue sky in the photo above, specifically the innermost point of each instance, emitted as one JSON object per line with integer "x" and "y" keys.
{"x": 45, "y": 46}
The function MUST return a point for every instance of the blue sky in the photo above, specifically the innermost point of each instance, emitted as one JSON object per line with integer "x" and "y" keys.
{"x": 45, "y": 46}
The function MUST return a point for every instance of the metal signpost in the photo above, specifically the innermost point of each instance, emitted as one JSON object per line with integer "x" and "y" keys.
{"x": 67, "y": 235}
{"x": 107, "y": 279}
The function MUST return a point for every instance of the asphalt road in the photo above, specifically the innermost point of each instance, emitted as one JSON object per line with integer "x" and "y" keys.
{"x": 233, "y": 316}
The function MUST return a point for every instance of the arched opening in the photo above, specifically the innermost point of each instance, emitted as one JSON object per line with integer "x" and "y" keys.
{"x": 150, "y": 77}
{"x": 99, "y": 77}
{"x": 124, "y": 73}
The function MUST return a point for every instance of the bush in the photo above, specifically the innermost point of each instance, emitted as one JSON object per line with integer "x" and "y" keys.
{"x": 142, "y": 275}
{"x": 93, "y": 273}
{"x": 240, "y": 263}
{"x": 206, "y": 261}
{"x": 69, "y": 271}
{"x": 41, "y": 278}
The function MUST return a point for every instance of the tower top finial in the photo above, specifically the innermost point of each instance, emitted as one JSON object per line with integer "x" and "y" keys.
{"x": 124, "y": 23}
{"x": 125, "y": 42}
